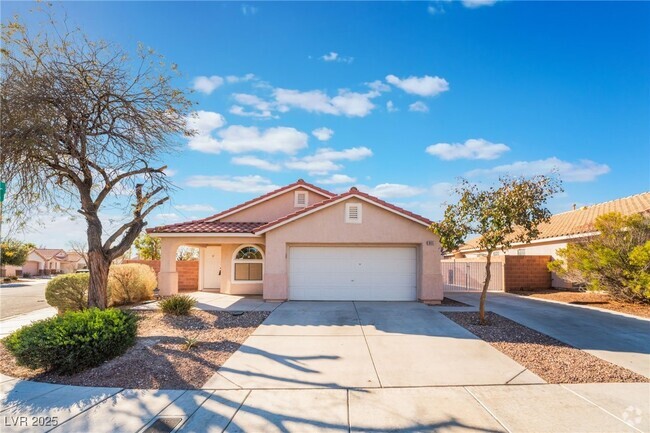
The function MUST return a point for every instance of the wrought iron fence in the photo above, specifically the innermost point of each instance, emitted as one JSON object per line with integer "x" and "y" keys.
{"x": 463, "y": 276}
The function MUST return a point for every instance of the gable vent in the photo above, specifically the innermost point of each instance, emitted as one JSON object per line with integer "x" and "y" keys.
{"x": 300, "y": 199}
{"x": 353, "y": 213}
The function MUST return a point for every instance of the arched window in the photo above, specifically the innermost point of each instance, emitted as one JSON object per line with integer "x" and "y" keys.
{"x": 248, "y": 264}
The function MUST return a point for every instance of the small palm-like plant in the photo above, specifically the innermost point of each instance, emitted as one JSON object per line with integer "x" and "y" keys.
{"x": 178, "y": 305}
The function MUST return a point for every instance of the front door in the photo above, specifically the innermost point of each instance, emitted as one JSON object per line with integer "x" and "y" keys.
{"x": 212, "y": 268}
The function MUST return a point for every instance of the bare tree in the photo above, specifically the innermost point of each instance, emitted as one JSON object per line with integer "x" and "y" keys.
{"x": 83, "y": 127}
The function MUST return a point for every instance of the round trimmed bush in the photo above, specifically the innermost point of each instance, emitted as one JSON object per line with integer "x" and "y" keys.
{"x": 68, "y": 292}
{"x": 73, "y": 341}
{"x": 178, "y": 305}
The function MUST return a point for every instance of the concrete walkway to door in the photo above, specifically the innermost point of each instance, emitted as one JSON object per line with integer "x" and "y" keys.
{"x": 364, "y": 345}
{"x": 618, "y": 339}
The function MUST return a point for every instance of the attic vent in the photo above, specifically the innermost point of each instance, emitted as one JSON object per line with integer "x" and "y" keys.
{"x": 353, "y": 213}
{"x": 300, "y": 199}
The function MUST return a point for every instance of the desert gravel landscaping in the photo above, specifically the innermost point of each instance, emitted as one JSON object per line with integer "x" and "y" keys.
{"x": 159, "y": 359}
{"x": 552, "y": 360}
{"x": 590, "y": 299}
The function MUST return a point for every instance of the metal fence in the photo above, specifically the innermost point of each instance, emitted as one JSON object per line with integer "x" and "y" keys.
{"x": 459, "y": 276}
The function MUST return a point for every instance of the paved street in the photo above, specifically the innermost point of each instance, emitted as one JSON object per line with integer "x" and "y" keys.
{"x": 20, "y": 298}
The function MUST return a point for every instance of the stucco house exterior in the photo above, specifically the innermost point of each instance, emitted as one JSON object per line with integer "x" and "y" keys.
{"x": 566, "y": 227}
{"x": 45, "y": 261}
{"x": 302, "y": 242}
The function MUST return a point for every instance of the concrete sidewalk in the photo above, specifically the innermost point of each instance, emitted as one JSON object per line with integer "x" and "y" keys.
{"x": 7, "y": 326}
{"x": 596, "y": 408}
{"x": 613, "y": 337}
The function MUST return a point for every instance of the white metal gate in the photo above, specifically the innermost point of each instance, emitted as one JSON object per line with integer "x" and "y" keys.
{"x": 459, "y": 276}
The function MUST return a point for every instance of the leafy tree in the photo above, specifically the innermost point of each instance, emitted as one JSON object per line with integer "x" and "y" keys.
{"x": 83, "y": 126}
{"x": 14, "y": 252}
{"x": 148, "y": 247}
{"x": 187, "y": 253}
{"x": 501, "y": 215}
{"x": 617, "y": 260}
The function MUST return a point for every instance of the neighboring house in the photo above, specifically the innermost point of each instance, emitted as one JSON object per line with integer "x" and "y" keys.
{"x": 305, "y": 243}
{"x": 46, "y": 261}
{"x": 567, "y": 227}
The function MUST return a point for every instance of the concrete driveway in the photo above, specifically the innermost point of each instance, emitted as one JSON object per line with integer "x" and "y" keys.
{"x": 613, "y": 337}
{"x": 364, "y": 345}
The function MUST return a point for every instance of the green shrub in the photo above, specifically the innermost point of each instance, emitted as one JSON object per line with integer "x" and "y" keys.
{"x": 178, "y": 305}
{"x": 131, "y": 283}
{"x": 73, "y": 341}
{"x": 68, "y": 292}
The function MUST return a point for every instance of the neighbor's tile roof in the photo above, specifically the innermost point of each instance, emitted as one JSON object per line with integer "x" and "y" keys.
{"x": 47, "y": 253}
{"x": 582, "y": 220}
{"x": 203, "y": 226}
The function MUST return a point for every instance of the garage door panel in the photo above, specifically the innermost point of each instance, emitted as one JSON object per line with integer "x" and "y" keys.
{"x": 352, "y": 273}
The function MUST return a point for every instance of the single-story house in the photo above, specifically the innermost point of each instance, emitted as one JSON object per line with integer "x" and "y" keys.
{"x": 302, "y": 242}
{"x": 45, "y": 261}
{"x": 564, "y": 228}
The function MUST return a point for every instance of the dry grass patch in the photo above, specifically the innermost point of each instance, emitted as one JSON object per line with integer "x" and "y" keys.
{"x": 550, "y": 359}
{"x": 591, "y": 299}
{"x": 161, "y": 357}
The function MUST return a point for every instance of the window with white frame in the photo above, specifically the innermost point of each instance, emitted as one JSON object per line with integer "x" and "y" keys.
{"x": 353, "y": 213}
{"x": 301, "y": 198}
{"x": 248, "y": 264}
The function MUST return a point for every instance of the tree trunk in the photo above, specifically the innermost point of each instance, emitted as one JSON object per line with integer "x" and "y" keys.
{"x": 486, "y": 284}
{"x": 98, "y": 266}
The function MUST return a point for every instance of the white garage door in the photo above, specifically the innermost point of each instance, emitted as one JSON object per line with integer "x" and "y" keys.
{"x": 352, "y": 273}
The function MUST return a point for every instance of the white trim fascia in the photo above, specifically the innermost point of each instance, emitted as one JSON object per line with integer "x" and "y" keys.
{"x": 256, "y": 202}
{"x": 204, "y": 235}
{"x": 541, "y": 241}
{"x": 339, "y": 201}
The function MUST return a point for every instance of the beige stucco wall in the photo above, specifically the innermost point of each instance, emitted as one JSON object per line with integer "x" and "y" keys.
{"x": 274, "y": 208}
{"x": 378, "y": 227}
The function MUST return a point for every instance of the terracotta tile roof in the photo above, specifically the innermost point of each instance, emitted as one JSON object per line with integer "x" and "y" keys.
{"x": 299, "y": 182}
{"x": 47, "y": 253}
{"x": 203, "y": 226}
{"x": 353, "y": 191}
{"x": 582, "y": 220}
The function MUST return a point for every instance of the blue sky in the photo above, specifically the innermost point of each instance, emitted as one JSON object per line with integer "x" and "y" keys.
{"x": 404, "y": 96}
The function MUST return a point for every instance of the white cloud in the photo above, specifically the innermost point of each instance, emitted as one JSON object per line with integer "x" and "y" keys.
{"x": 322, "y": 162}
{"x": 314, "y": 167}
{"x": 351, "y": 104}
{"x": 195, "y": 207}
{"x": 422, "y": 86}
{"x": 243, "y": 184}
{"x": 390, "y": 107}
{"x": 441, "y": 189}
{"x": 249, "y": 10}
{"x": 336, "y": 179}
{"x": 168, "y": 217}
{"x": 253, "y": 161}
{"x": 170, "y": 172}
{"x": 204, "y": 122}
{"x": 472, "y": 4}
{"x": 231, "y": 79}
{"x": 333, "y": 56}
{"x": 378, "y": 87}
{"x": 419, "y": 106}
{"x": 323, "y": 134}
{"x": 474, "y": 148}
{"x": 207, "y": 85}
{"x": 392, "y": 190}
{"x": 238, "y": 110}
{"x": 433, "y": 10}
{"x": 582, "y": 171}
{"x": 240, "y": 139}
